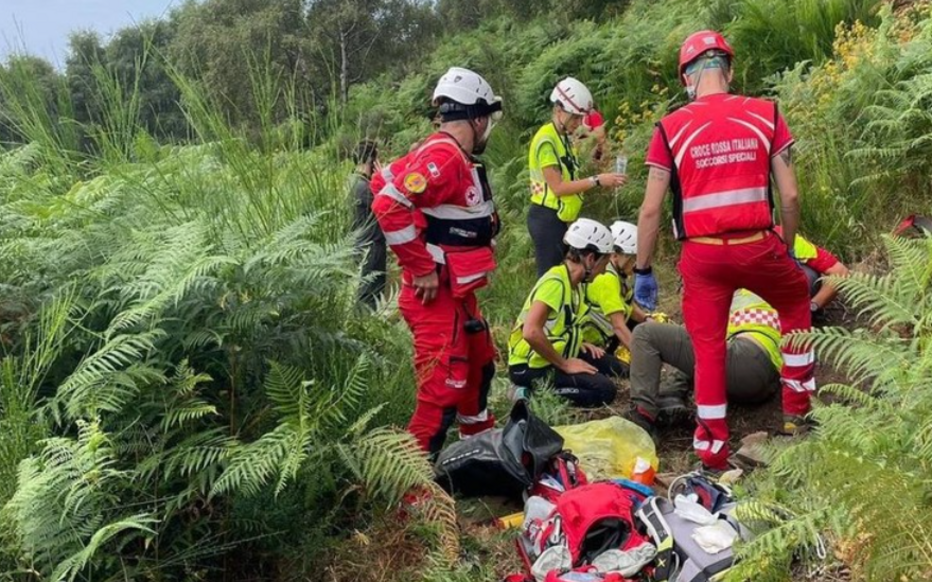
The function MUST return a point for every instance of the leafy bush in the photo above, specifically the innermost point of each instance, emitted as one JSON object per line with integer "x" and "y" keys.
{"x": 189, "y": 374}
{"x": 864, "y": 476}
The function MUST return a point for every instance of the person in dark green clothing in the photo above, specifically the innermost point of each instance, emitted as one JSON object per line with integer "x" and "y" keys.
{"x": 370, "y": 242}
{"x": 752, "y": 366}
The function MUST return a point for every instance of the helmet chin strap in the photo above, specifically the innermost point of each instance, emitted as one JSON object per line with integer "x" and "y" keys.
{"x": 561, "y": 121}
{"x": 693, "y": 90}
{"x": 587, "y": 274}
{"x": 479, "y": 143}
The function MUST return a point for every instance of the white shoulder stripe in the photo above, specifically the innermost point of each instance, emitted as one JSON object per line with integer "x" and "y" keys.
{"x": 760, "y": 134}
{"x": 689, "y": 140}
{"x": 679, "y": 134}
{"x": 763, "y": 120}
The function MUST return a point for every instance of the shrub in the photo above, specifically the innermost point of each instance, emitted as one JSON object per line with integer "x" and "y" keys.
{"x": 863, "y": 477}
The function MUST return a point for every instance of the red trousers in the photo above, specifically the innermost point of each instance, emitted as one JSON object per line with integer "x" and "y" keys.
{"x": 711, "y": 274}
{"x": 454, "y": 362}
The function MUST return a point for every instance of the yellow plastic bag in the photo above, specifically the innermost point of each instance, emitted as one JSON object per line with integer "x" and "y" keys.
{"x": 608, "y": 448}
{"x": 623, "y": 354}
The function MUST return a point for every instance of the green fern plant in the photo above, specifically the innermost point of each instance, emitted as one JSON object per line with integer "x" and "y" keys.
{"x": 72, "y": 482}
{"x": 863, "y": 479}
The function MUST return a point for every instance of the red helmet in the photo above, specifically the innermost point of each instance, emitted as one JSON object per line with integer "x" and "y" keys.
{"x": 698, "y": 43}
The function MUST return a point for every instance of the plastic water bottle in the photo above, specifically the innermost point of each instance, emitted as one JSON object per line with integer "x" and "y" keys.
{"x": 621, "y": 164}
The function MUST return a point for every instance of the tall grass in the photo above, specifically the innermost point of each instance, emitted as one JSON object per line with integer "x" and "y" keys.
{"x": 189, "y": 381}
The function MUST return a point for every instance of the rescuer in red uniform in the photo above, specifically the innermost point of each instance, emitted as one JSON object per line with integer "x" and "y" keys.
{"x": 717, "y": 155}
{"x": 435, "y": 207}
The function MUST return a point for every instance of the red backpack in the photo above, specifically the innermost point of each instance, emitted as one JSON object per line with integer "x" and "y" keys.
{"x": 587, "y": 520}
{"x": 561, "y": 474}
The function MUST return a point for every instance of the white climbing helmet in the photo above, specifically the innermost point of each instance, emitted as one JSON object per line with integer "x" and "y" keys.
{"x": 625, "y": 237}
{"x": 465, "y": 87}
{"x": 587, "y": 234}
{"x": 573, "y": 96}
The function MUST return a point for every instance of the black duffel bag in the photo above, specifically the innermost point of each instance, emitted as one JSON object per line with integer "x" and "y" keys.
{"x": 504, "y": 461}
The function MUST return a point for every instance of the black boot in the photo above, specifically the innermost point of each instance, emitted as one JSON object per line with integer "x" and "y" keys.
{"x": 673, "y": 409}
{"x": 641, "y": 418}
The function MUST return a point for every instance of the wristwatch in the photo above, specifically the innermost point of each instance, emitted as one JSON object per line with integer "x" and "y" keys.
{"x": 595, "y": 180}
{"x": 813, "y": 306}
{"x": 645, "y": 271}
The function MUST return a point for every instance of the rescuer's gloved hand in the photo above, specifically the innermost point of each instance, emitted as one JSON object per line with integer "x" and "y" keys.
{"x": 645, "y": 290}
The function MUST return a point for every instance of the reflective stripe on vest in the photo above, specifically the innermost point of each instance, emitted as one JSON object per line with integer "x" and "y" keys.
{"x": 453, "y": 212}
{"x": 720, "y": 199}
{"x": 721, "y": 165}
{"x": 567, "y": 207}
{"x": 755, "y": 317}
{"x": 602, "y": 324}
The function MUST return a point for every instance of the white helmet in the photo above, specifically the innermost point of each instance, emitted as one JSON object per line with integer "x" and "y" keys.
{"x": 625, "y": 236}
{"x": 573, "y": 96}
{"x": 463, "y": 86}
{"x": 587, "y": 234}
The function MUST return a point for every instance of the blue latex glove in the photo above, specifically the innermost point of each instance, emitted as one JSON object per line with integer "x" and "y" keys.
{"x": 645, "y": 291}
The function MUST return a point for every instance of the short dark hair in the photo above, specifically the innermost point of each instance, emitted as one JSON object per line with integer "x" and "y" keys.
{"x": 577, "y": 255}
{"x": 366, "y": 151}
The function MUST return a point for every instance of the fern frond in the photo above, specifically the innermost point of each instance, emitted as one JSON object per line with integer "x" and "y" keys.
{"x": 252, "y": 466}
{"x": 108, "y": 377}
{"x": 73, "y": 566}
{"x": 388, "y": 462}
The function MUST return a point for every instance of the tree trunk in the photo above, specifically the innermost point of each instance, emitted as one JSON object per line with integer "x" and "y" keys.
{"x": 344, "y": 70}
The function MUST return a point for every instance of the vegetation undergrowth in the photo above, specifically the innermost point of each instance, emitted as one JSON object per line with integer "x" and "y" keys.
{"x": 188, "y": 389}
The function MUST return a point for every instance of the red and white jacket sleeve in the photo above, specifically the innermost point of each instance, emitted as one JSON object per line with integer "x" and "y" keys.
{"x": 429, "y": 179}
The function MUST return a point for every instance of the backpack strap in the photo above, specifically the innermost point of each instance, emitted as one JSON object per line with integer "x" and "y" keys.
{"x": 666, "y": 564}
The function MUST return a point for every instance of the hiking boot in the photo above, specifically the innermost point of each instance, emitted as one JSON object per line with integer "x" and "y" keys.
{"x": 796, "y": 425}
{"x": 673, "y": 409}
{"x": 640, "y": 417}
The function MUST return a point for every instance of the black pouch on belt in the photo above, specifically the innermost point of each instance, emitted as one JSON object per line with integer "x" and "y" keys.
{"x": 474, "y": 326}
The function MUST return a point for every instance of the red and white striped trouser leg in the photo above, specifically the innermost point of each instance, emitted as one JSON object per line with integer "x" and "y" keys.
{"x": 707, "y": 293}
{"x": 472, "y": 412}
{"x": 783, "y": 284}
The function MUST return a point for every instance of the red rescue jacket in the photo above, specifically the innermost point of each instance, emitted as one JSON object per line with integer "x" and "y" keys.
{"x": 435, "y": 207}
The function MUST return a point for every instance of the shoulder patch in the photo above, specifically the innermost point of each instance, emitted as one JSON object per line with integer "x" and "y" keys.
{"x": 415, "y": 183}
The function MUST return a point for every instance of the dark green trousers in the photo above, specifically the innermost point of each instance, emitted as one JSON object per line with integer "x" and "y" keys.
{"x": 751, "y": 376}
